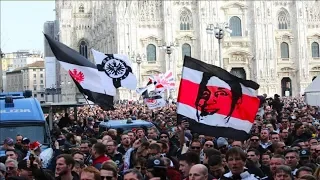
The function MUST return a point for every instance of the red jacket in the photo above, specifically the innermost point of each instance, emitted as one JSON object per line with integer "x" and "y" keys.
{"x": 97, "y": 163}
{"x": 173, "y": 174}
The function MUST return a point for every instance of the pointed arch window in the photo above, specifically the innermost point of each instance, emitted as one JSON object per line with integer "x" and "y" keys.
{"x": 151, "y": 53}
{"x": 186, "y": 50}
{"x": 186, "y": 20}
{"x": 235, "y": 26}
{"x": 83, "y": 48}
{"x": 283, "y": 20}
{"x": 81, "y": 8}
{"x": 284, "y": 50}
{"x": 315, "y": 50}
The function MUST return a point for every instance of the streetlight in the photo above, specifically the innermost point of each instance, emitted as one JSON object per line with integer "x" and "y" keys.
{"x": 168, "y": 49}
{"x": 218, "y": 31}
{"x": 139, "y": 60}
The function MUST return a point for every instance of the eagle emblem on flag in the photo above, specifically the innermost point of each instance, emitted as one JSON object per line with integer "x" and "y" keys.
{"x": 115, "y": 68}
{"x": 76, "y": 75}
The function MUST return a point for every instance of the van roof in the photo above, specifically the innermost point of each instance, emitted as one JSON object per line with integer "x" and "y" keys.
{"x": 123, "y": 124}
{"x": 25, "y": 109}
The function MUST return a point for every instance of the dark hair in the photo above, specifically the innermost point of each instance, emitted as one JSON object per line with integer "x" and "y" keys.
{"x": 68, "y": 159}
{"x": 108, "y": 167}
{"x": 77, "y": 152}
{"x": 86, "y": 142}
{"x": 100, "y": 148}
{"x": 155, "y": 146}
{"x": 235, "y": 87}
{"x": 215, "y": 160}
{"x": 303, "y": 168}
{"x": 134, "y": 171}
{"x": 8, "y": 150}
{"x": 236, "y": 151}
{"x": 211, "y": 151}
{"x": 291, "y": 151}
{"x": 256, "y": 152}
{"x": 190, "y": 158}
{"x": 141, "y": 161}
{"x": 69, "y": 136}
{"x": 283, "y": 168}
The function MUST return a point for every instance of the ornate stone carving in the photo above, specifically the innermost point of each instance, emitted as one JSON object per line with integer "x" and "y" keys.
{"x": 150, "y": 13}
{"x": 151, "y": 39}
{"x": 313, "y": 12}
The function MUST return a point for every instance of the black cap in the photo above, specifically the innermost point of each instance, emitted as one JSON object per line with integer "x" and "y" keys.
{"x": 155, "y": 163}
{"x": 304, "y": 153}
{"x": 25, "y": 140}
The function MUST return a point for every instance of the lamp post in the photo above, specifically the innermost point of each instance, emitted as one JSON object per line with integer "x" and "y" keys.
{"x": 218, "y": 31}
{"x": 168, "y": 49}
{"x": 53, "y": 90}
{"x": 139, "y": 60}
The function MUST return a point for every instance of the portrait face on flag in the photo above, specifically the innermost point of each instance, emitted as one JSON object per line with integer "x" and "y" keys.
{"x": 214, "y": 96}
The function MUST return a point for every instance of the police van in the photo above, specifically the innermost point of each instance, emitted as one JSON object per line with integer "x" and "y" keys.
{"x": 20, "y": 113}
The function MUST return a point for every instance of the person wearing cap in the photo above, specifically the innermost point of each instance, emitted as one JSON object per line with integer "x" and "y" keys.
{"x": 304, "y": 155}
{"x": 156, "y": 168}
{"x": 25, "y": 146}
{"x": 8, "y": 143}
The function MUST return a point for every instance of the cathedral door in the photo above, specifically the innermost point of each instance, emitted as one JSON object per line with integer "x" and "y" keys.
{"x": 286, "y": 86}
{"x": 239, "y": 72}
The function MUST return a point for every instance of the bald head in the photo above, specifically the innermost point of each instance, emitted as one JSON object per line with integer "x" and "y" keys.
{"x": 199, "y": 171}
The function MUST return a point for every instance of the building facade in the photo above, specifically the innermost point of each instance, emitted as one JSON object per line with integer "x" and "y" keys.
{"x": 275, "y": 43}
{"x": 30, "y": 77}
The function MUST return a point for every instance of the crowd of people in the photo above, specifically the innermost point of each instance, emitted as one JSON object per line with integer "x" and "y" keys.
{"x": 283, "y": 145}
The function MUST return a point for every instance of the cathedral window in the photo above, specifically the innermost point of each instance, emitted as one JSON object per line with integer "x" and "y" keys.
{"x": 186, "y": 50}
{"x": 185, "y": 20}
{"x": 315, "y": 50}
{"x": 81, "y": 8}
{"x": 151, "y": 53}
{"x": 283, "y": 20}
{"x": 284, "y": 50}
{"x": 83, "y": 49}
{"x": 235, "y": 26}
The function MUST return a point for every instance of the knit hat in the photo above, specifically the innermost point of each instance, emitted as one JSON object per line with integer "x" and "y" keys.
{"x": 8, "y": 141}
{"x": 221, "y": 142}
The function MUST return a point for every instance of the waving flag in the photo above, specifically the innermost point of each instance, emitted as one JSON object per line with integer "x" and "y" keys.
{"x": 84, "y": 74}
{"x": 215, "y": 102}
{"x": 162, "y": 82}
{"x": 154, "y": 100}
{"x": 117, "y": 69}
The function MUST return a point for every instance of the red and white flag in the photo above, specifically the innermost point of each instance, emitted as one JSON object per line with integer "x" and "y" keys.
{"x": 215, "y": 102}
{"x": 162, "y": 81}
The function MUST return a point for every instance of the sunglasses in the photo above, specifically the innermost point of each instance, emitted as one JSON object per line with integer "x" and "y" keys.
{"x": 165, "y": 137}
{"x": 10, "y": 168}
{"x": 195, "y": 147}
{"x": 106, "y": 177}
{"x": 142, "y": 168}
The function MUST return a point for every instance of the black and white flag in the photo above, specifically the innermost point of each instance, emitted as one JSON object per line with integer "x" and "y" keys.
{"x": 117, "y": 69}
{"x": 84, "y": 73}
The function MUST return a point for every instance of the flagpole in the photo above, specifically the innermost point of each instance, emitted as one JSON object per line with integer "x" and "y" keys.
{"x": 88, "y": 103}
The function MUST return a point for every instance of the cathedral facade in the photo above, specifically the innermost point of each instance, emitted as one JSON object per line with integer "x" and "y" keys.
{"x": 275, "y": 43}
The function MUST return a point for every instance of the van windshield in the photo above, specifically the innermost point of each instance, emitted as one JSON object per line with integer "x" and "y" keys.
{"x": 34, "y": 133}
